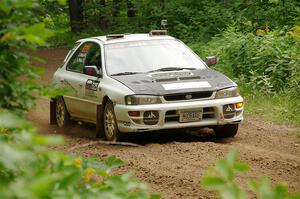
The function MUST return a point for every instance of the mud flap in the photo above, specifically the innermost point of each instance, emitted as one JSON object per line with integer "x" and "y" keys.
{"x": 99, "y": 122}
{"x": 53, "y": 111}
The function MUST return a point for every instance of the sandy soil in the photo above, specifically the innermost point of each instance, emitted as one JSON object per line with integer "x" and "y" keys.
{"x": 172, "y": 163}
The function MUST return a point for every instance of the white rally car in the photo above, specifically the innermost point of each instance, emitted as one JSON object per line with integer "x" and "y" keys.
{"x": 143, "y": 82}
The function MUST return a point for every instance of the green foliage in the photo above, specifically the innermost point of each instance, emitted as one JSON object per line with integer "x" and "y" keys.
{"x": 20, "y": 29}
{"x": 262, "y": 63}
{"x": 191, "y": 21}
{"x": 266, "y": 67}
{"x": 221, "y": 178}
{"x": 28, "y": 169}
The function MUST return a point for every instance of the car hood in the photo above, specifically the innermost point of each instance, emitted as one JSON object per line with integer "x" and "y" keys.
{"x": 164, "y": 83}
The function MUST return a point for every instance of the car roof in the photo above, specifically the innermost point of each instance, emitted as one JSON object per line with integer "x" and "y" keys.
{"x": 127, "y": 38}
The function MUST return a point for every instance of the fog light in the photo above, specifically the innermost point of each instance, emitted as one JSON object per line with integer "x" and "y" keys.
{"x": 134, "y": 113}
{"x": 151, "y": 117}
{"x": 239, "y": 105}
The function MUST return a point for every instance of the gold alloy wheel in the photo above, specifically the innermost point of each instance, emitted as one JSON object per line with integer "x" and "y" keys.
{"x": 110, "y": 125}
{"x": 61, "y": 112}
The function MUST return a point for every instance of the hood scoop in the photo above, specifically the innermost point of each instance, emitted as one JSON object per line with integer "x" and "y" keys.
{"x": 173, "y": 76}
{"x": 177, "y": 79}
{"x": 166, "y": 79}
{"x": 191, "y": 77}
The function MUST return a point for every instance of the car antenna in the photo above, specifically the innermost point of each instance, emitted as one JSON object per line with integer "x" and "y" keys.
{"x": 162, "y": 31}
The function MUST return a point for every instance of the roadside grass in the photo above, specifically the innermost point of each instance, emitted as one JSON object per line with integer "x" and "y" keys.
{"x": 278, "y": 108}
{"x": 295, "y": 133}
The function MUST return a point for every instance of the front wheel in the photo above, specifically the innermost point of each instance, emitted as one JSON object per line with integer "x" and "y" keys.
{"x": 110, "y": 123}
{"x": 225, "y": 131}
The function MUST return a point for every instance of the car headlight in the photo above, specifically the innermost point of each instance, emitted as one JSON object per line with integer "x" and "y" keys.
{"x": 141, "y": 99}
{"x": 228, "y": 92}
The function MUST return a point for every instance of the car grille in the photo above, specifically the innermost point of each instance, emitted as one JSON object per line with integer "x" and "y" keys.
{"x": 173, "y": 115}
{"x": 188, "y": 96}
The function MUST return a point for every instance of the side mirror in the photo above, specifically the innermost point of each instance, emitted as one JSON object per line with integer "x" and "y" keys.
{"x": 92, "y": 70}
{"x": 210, "y": 61}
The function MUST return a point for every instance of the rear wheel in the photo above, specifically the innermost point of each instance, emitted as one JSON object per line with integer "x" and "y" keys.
{"x": 110, "y": 123}
{"x": 62, "y": 114}
{"x": 225, "y": 131}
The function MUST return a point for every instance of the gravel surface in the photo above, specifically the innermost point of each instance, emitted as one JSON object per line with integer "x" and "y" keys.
{"x": 173, "y": 162}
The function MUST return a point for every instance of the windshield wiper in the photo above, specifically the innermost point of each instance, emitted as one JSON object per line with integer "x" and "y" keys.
{"x": 171, "y": 69}
{"x": 125, "y": 73}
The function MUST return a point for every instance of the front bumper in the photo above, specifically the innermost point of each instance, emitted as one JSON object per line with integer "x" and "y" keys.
{"x": 213, "y": 114}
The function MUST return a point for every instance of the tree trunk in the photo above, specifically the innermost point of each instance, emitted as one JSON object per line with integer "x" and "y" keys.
{"x": 103, "y": 18}
{"x": 162, "y": 4}
{"x": 130, "y": 9}
{"x": 76, "y": 15}
{"x": 116, "y": 8}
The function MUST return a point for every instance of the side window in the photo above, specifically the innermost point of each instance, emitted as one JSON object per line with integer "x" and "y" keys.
{"x": 93, "y": 57}
{"x": 71, "y": 51}
{"x": 87, "y": 54}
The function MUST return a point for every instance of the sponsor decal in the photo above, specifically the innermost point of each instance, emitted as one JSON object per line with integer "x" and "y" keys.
{"x": 91, "y": 84}
{"x": 91, "y": 87}
{"x": 186, "y": 85}
{"x": 125, "y": 123}
{"x": 229, "y": 108}
{"x": 150, "y": 115}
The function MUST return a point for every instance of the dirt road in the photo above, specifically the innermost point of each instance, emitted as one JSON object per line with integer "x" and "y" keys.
{"x": 172, "y": 163}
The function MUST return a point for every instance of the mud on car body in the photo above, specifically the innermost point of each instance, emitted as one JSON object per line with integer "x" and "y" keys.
{"x": 143, "y": 82}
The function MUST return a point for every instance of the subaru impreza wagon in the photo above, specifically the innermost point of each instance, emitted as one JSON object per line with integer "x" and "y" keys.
{"x": 143, "y": 82}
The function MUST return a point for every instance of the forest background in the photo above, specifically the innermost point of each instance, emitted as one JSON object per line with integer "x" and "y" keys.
{"x": 257, "y": 42}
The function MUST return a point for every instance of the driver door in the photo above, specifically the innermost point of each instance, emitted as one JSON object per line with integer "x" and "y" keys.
{"x": 91, "y": 92}
{"x": 82, "y": 95}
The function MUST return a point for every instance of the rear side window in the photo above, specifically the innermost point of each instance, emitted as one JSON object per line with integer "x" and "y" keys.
{"x": 87, "y": 54}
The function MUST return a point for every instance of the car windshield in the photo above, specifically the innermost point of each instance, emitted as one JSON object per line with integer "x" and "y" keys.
{"x": 148, "y": 56}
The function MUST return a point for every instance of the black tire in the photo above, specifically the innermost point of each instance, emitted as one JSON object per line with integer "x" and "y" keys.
{"x": 226, "y": 131}
{"x": 62, "y": 115}
{"x": 99, "y": 123}
{"x": 111, "y": 130}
